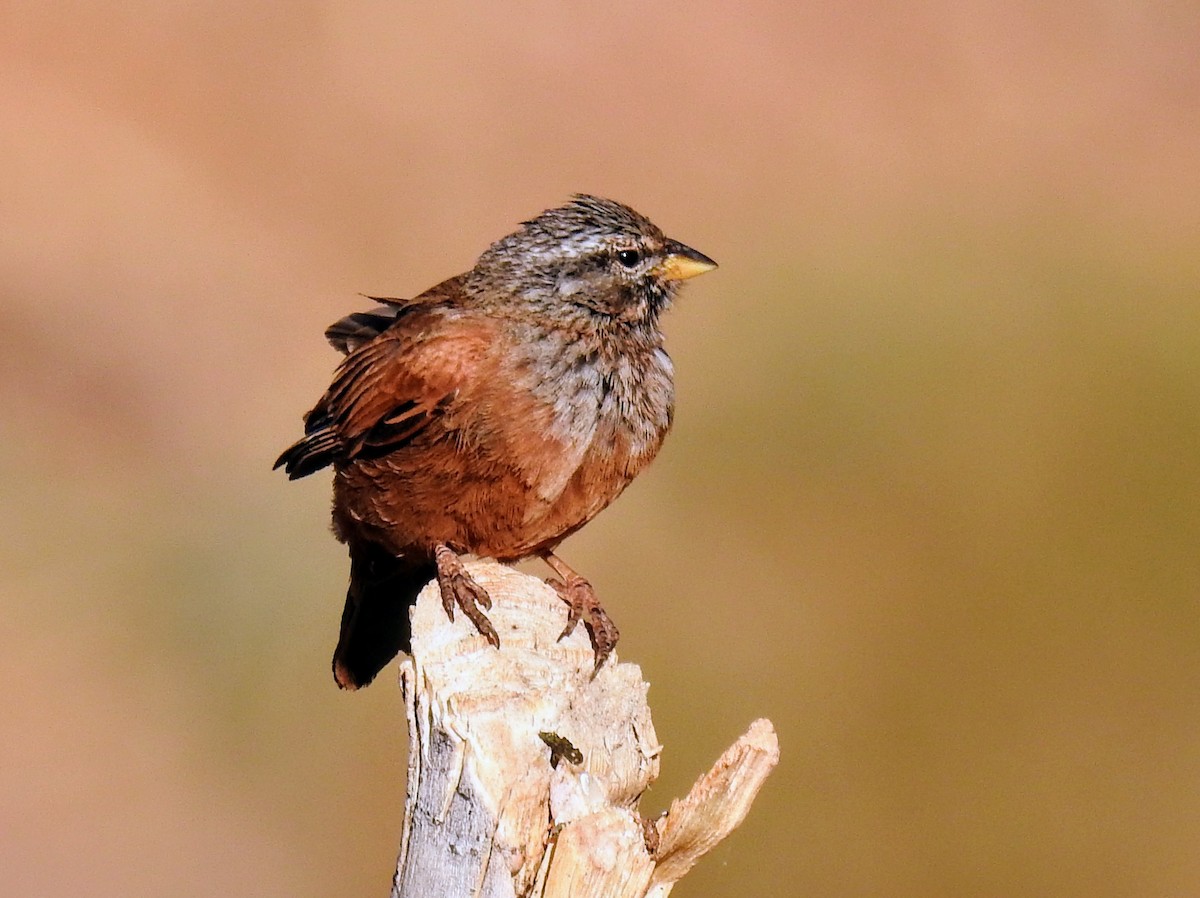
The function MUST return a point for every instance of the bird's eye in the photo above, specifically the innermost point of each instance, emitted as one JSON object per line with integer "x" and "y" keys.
{"x": 629, "y": 257}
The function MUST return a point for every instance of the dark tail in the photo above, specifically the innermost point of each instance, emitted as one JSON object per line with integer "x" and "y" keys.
{"x": 375, "y": 624}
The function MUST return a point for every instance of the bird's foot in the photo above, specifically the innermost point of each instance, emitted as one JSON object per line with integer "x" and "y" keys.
{"x": 459, "y": 589}
{"x": 583, "y": 604}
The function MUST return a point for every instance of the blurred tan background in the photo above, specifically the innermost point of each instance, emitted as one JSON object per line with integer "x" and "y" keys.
{"x": 932, "y": 502}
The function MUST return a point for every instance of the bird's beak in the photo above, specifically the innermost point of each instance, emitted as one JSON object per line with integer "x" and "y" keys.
{"x": 683, "y": 262}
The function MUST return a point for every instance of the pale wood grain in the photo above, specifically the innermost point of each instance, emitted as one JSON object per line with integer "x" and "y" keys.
{"x": 488, "y": 815}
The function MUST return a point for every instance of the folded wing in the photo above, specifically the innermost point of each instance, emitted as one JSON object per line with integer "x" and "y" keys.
{"x": 391, "y": 388}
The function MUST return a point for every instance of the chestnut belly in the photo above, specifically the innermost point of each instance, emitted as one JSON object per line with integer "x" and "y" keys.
{"x": 494, "y": 511}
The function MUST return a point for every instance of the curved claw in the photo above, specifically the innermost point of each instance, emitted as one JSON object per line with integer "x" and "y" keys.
{"x": 582, "y": 603}
{"x": 458, "y": 588}
{"x": 574, "y": 609}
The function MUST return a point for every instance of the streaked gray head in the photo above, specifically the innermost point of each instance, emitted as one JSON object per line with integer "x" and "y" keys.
{"x": 594, "y": 254}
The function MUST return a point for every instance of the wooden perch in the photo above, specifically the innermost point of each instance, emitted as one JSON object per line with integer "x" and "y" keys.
{"x": 525, "y": 771}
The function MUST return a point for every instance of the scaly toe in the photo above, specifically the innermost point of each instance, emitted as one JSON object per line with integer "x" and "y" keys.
{"x": 604, "y": 634}
{"x": 458, "y": 588}
{"x": 574, "y": 604}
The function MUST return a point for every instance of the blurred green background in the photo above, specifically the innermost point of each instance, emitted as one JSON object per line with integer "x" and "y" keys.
{"x": 932, "y": 502}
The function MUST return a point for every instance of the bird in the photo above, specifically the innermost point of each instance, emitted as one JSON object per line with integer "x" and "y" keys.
{"x": 494, "y": 415}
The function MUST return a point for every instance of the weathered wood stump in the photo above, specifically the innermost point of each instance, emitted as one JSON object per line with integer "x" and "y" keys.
{"x": 525, "y": 770}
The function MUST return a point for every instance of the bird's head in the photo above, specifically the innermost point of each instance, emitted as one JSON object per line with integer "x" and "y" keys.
{"x": 591, "y": 254}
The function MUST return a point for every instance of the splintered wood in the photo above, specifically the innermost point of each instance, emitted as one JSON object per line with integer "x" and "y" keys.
{"x": 525, "y": 770}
